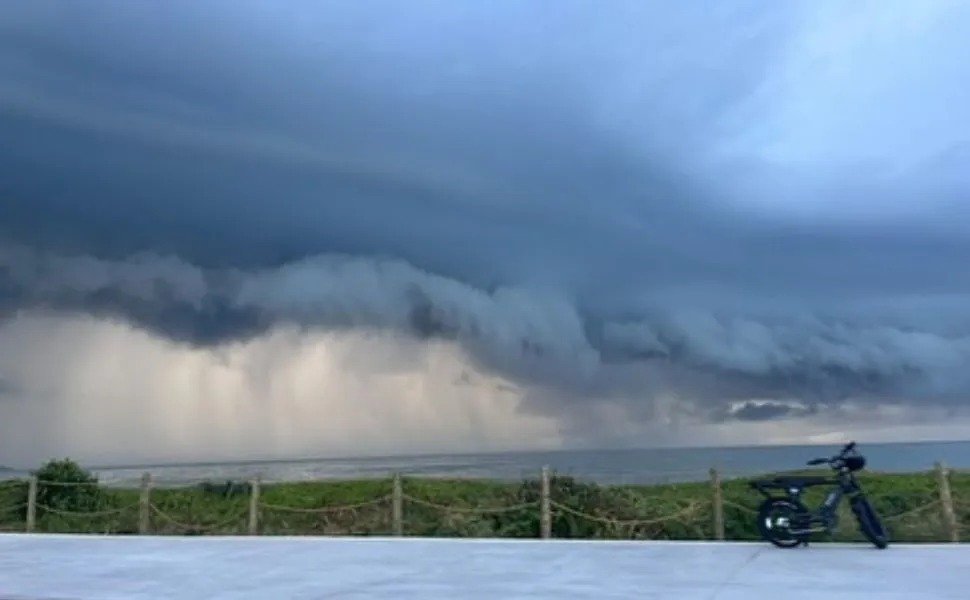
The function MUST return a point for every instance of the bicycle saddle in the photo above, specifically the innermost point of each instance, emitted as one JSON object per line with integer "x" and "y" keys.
{"x": 799, "y": 481}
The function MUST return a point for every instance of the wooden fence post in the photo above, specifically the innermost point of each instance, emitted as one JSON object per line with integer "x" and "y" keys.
{"x": 31, "y": 504}
{"x": 254, "y": 506}
{"x": 145, "y": 504}
{"x": 718, "y": 505}
{"x": 545, "y": 507}
{"x": 946, "y": 502}
{"x": 397, "y": 505}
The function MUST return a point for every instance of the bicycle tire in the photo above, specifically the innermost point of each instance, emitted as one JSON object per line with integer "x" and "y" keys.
{"x": 777, "y": 537}
{"x": 869, "y": 523}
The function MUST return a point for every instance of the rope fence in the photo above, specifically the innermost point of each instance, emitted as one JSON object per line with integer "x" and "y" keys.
{"x": 689, "y": 510}
{"x": 68, "y": 484}
{"x": 325, "y": 509}
{"x": 473, "y": 510}
{"x": 12, "y": 507}
{"x": 909, "y": 513}
{"x": 741, "y": 507}
{"x": 558, "y": 507}
{"x": 86, "y": 514}
{"x": 198, "y": 527}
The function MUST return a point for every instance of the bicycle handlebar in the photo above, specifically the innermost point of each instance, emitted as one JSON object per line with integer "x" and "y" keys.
{"x": 840, "y": 456}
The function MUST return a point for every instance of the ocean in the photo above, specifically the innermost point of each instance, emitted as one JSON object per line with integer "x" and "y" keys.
{"x": 602, "y": 466}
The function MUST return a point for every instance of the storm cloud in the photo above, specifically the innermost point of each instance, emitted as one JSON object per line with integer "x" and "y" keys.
{"x": 758, "y": 201}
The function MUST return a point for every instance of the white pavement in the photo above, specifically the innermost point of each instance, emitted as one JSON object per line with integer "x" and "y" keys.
{"x": 48, "y": 567}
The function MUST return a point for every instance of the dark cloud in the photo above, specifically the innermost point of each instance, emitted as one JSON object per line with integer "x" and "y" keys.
{"x": 534, "y": 336}
{"x": 588, "y": 201}
{"x": 767, "y": 411}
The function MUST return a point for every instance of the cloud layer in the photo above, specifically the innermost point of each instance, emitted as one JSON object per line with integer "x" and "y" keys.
{"x": 650, "y": 210}
{"x": 539, "y": 337}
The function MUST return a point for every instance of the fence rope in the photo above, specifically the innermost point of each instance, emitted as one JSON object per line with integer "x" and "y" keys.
{"x": 913, "y": 511}
{"x": 80, "y": 514}
{"x": 957, "y": 503}
{"x": 469, "y": 510}
{"x": 210, "y": 527}
{"x": 901, "y": 515}
{"x": 324, "y": 509}
{"x": 41, "y": 482}
{"x": 690, "y": 509}
{"x": 12, "y": 507}
{"x": 740, "y": 507}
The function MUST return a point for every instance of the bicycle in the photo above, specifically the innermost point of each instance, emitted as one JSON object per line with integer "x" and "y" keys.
{"x": 787, "y": 523}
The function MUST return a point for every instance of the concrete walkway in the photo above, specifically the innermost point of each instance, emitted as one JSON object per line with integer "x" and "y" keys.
{"x": 48, "y": 567}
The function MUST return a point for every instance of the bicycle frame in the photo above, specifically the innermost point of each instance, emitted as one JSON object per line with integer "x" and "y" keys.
{"x": 825, "y": 516}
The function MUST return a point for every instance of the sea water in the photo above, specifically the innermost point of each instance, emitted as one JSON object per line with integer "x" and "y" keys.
{"x": 627, "y": 466}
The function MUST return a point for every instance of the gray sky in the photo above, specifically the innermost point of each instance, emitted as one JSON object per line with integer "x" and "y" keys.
{"x": 623, "y": 223}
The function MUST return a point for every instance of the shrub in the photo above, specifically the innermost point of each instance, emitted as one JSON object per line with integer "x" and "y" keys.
{"x": 64, "y": 486}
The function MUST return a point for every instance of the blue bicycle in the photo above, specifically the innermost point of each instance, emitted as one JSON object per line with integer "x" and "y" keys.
{"x": 786, "y": 522}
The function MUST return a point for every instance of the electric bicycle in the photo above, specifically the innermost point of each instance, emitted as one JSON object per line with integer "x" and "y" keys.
{"x": 786, "y": 522}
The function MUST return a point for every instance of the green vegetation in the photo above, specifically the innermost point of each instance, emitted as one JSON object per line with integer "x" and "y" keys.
{"x": 69, "y": 488}
{"x": 908, "y": 503}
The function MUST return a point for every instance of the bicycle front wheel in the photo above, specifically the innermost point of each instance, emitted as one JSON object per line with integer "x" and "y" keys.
{"x": 869, "y": 522}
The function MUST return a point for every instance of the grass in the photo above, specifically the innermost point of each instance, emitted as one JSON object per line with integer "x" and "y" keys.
{"x": 669, "y": 511}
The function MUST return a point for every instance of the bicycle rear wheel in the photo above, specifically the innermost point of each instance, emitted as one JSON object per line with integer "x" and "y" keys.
{"x": 775, "y": 520}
